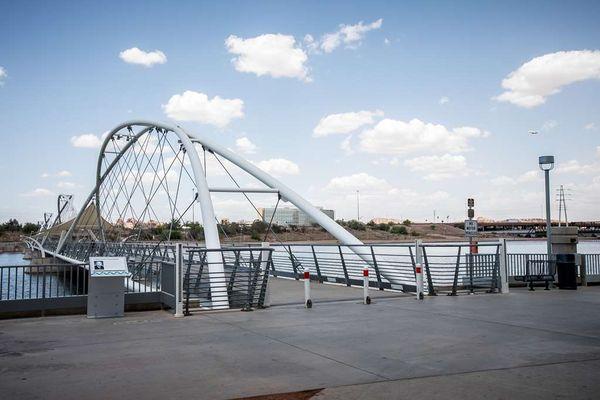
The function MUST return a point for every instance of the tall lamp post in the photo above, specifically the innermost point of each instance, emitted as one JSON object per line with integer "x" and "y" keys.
{"x": 546, "y": 165}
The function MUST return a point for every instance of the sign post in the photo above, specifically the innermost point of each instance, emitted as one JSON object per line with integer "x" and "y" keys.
{"x": 471, "y": 232}
{"x": 106, "y": 290}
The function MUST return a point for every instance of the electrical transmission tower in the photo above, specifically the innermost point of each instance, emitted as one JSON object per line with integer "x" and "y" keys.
{"x": 562, "y": 196}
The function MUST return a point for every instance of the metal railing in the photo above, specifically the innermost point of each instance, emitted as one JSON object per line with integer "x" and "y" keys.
{"x": 19, "y": 282}
{"x": 22, "y": 282}
{"x": 592, "y": 264}
{"x": 226, "y": 278}
{"x": 448, "y": 267}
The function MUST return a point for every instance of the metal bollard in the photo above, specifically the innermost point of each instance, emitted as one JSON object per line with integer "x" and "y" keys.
{"x": 366, "y": 298}
{"x": 307, "y": 299}
{"x": 419, "y": 281}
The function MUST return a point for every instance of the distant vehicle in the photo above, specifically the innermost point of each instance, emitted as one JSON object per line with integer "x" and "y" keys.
{"x": 533, "y": 132}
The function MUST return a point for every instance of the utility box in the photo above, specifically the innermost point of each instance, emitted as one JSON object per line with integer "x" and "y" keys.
{"x": 564, "y": 239}
{"x": 106, "y": 289}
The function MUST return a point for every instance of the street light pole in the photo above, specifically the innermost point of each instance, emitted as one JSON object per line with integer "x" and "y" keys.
{"x": 357, "y": 205}
{"x": 546, "y": 164}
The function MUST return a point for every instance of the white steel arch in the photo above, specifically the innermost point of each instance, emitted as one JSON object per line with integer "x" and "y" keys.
{"x": 203, "y": 198}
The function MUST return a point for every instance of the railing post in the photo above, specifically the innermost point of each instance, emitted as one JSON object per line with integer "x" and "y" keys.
{"x": 293, "y": 261}
{"x": 503, "y": 267}
{"x": 265, "y": 258}
{"x": 376, "y": 268}
{"x": 344, "y": 266}
{"x": 178, "y": 280}
{"x": 455, "y": 280}
{"x": 316, "y": 264}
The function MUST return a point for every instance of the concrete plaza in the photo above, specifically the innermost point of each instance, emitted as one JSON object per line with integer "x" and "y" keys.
{"x": 542, "y": 344}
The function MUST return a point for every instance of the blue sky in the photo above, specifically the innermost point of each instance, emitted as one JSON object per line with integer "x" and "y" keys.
{"x": 439, "y": 63}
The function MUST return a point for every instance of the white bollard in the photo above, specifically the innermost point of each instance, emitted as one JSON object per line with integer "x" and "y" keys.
{"x": 307, "y": 299}
{"x": 178, "y": 280}
{"x": 366, "y": 298}
{"x": 419, "y": 281}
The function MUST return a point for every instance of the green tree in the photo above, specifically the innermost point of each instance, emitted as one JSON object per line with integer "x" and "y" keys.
{"x": 399, "y": 230}
{"x": 29, "y": 228}
{"x": 406, "y": 222}
{"x": 356, "y": 225}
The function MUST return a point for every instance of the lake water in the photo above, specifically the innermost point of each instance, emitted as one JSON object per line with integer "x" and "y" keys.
{"x": 16, "y": 283}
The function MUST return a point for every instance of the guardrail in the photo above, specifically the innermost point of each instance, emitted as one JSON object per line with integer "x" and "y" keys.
{"x": 18, "y": 282}
{"x": 448, "y": 267}
{"x": 226, "y": 278}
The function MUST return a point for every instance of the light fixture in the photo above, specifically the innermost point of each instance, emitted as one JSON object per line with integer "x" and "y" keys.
{"x": 546, "y": 163}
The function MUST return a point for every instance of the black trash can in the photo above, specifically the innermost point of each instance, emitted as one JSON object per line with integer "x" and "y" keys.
{"x": 566, "y": 269}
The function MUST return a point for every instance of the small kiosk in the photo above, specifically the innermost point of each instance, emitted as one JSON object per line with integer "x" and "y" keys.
{"x": 106, "y": 290}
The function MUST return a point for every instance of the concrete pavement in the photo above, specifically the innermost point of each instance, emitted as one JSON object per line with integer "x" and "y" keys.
{"x": 521, "y": 345}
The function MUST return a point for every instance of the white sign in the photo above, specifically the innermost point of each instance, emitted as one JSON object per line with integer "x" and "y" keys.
{"x": 108, "y": 266}
{"x": 470, "y": 227}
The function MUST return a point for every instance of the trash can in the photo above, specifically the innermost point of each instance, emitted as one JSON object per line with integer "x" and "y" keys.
{"x": 566, "y": 269}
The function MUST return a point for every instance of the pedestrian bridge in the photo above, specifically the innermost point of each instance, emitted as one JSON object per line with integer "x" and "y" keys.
{"x": 150, "y": 180}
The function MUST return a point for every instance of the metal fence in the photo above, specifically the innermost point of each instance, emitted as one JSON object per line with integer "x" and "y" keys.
{"x": 448, "y": 267}
{"x": 226, "y": 278}
{"x": 592, "y": 266}
{"x": 19, "y": 282}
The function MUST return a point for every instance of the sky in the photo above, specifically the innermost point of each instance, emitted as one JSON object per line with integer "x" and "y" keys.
{"x": 417, "y": 105}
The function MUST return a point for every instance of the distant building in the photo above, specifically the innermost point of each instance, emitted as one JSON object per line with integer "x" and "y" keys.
{"x": 286, "y": 216}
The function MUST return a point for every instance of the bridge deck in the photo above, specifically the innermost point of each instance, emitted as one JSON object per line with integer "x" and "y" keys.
{"x": 529, "y": 344}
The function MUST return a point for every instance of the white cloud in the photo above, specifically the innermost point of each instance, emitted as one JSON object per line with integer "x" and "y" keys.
{"x": 526, "y": 177}
{"x": 543, "y": 76}
{"x": 195, "y": 106}
{"x": 439, "y": 167}
{"x": 360, "y": 181}
{"x": 397, "y": 137}
{"x": 444, "y": 100}
{"x": 590, "y": 126}
{"x": 598, "y": 151}
{"x": 345, "y": 122}
{"x": 271, "y": 54}
{"x": 59, "y": 174}
{"x": 549, "y": 125}
{"x": 349, "y": 35}
{"x": 141, "y": 57}
{"x": 346, "y": 146}
{"x": 279, "y": 166}
{"x": 87, "y": 140}
{"x": 575, "y": 167}
{"x": 244, "y": 145}
{"x": 65, "y": 185}
{"x": 3, "y": 75}
{"x": 39, "y": 192}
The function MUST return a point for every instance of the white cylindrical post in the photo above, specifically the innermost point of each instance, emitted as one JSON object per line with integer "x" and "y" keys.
{"x": 366, "y": 298}
{"x": 178, "y": 280}
{"x": 419, "y": 281}
{"x": 307, "y": 299}
{"x": 503, "y": 265}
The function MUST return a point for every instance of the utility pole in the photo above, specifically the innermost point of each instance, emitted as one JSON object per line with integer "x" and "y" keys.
{"x": 358, "y": 205}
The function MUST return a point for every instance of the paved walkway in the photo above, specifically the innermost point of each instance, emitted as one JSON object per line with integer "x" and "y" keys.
{"x": 520, "y": 345}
